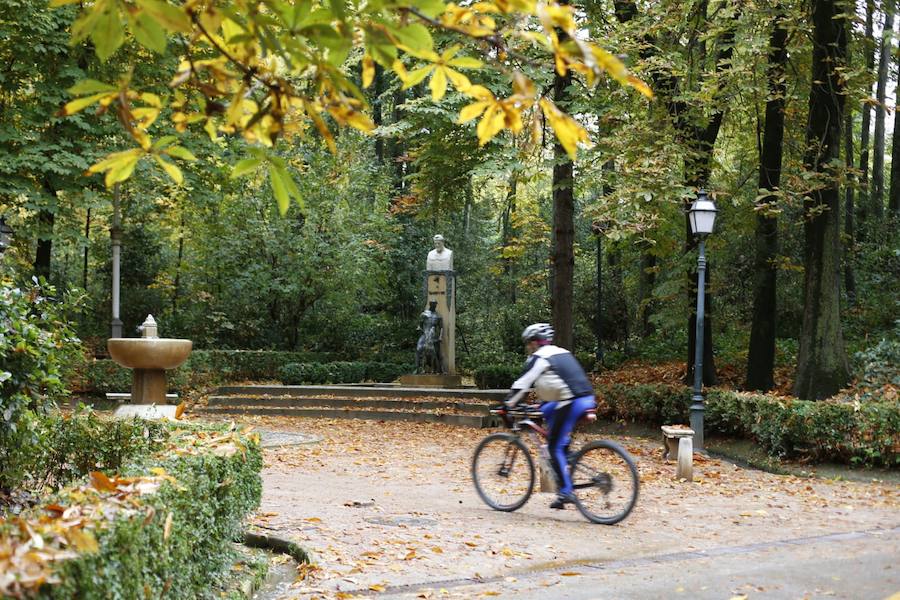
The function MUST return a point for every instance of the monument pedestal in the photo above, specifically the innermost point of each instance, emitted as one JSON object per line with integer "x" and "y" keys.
{"x": 440, "y": 287}
{"x": 431, "y": 380}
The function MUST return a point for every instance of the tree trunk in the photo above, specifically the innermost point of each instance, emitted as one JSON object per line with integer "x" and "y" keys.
{"x": 377, "y": 91}
{"x": 884, "y": 64}
{"x": 822, "y": 367}
{"x": 894, "y": 196}
{"x": 44, "y": 252}
{"x": 849, "y": 213}
{"x": 563, "y": 254}
{"x": 507, "y": 232}
{"x": 87, "y": 246}
{"x": 702, "y": 140}
{"x": 863, "y": 204}
{"x": 761, "y": 355}
{"x": 646, "y": 283}
{"x": 395, "y": 146}
{"x": 177, "y": 287}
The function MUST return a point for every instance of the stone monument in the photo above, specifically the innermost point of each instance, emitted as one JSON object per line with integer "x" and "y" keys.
{"x": 428, "y": 349}
{"x": 440, "y": 295}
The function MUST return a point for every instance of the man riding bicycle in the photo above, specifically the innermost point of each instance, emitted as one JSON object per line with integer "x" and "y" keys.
{"x": 565, "y": 393}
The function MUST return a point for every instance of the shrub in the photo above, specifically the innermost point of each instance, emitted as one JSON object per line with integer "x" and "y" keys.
{"x": 851, "y": 432}
{"x": 203, "y": 367}
{"x": 383, "y": 372}
{"x": 163, "y": 529}
{"x": 587, "y": 360}
{"x": 493, "y": 377}
{"x": 880, "y": 365}
{"x": 322, "y": 373}
{"x": 73, "y": 446}
{"x": 37, "y": 347}
{"x": 654, "y": 404}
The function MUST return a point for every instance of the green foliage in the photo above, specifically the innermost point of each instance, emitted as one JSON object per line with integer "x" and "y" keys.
{"x": 73, "y": 446}
{"x": 175, "y": 542}
{"x": 383, "y": 372}
{"x": 879, "y": 365}
{"x": 341, "y": 372}
{"x": 101, "y": 377}
{"x": 496, "y": 377}
{"x": 203, "y": 367}
{"x": 37, "y": 347}
{"x": 655, "y": 404}
{"x": 321, "y": 373}
{"x": 864, "y": 433}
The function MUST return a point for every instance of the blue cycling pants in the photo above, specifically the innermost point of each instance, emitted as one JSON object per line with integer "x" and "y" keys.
{"x": 560, "y": 423}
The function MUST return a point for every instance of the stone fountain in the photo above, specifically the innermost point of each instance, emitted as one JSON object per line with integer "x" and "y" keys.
{"x": 149, "y": 356}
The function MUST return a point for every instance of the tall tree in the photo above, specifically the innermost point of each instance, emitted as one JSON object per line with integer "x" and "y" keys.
{"x": 849, "y": 206}
{"x": 876, "y": 199}
{"x": 761, "y": 356}
{"x": 822, "y": 367}
{"x": 894, "y": 196}
{"x": 562, "y": 261}
{"x": 865, "y": 133}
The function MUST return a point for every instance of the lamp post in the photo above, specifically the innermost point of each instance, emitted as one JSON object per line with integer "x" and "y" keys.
{"x": 702, "y": 216}
{"x": 6, "y": 234}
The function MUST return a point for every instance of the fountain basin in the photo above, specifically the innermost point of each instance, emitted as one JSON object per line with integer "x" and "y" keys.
{"x": 149, "y": 353}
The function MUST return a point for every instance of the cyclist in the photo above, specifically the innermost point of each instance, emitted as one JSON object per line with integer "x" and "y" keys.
{"x": 565, "y": 393}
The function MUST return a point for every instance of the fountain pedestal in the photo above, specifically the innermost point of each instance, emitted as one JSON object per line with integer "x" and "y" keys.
{"x": 149, "y": 356}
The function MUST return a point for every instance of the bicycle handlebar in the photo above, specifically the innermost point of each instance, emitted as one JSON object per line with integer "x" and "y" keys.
{"x": 527, "y": 411}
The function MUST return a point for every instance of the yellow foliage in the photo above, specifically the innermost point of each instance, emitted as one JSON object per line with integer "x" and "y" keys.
{"x": 235, "y": 74}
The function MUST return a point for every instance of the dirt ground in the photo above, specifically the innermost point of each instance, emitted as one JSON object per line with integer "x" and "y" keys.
{"x": 390, "y": 508}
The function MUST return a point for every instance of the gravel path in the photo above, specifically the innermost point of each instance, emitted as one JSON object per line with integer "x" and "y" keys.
{"x": 389, "y": 509}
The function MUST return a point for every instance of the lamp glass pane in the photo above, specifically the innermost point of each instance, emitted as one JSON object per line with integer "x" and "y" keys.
{"x": 692, "y": 215}
{"x": 704, "y": 221}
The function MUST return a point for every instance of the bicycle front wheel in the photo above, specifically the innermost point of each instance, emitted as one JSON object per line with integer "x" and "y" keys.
{"x": 606, "y": 482}
{"x": 503, "y": 472}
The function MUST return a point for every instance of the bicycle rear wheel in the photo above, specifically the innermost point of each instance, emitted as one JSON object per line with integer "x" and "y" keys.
{"x": 606, "y": 482}
{"x": 503, "y": 472}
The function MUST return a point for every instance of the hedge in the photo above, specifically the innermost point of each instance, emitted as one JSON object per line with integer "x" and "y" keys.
{"x": 163, "y": 528}
{"x": 496, "y": 377}
{"x": 340, "y": 372}
{"x": 212, "y": 367}
{"x": 856, "y": 433}
{"x": 501, "y": 375}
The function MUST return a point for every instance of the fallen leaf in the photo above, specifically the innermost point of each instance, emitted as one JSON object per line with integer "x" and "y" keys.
{"x": 167, "y": 528}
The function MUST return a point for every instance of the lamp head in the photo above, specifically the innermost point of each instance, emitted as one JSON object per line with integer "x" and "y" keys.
{"x": 702, "y": 215}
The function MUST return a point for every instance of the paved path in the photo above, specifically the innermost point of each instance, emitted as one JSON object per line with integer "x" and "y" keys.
{"x": 389, "y": 511}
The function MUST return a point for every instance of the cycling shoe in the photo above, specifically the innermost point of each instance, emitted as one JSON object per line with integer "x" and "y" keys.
{"x": 562, "y": 500}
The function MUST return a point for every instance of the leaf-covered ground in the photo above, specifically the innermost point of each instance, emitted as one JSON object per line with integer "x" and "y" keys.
{"x": 388, "y": 504}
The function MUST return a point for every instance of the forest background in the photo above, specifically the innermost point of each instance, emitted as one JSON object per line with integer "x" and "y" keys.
{"x": 213, "y": 258}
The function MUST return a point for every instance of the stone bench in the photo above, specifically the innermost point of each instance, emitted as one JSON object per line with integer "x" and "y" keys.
{"x": 671, "y": 435}
{"x": 679, "y": 440}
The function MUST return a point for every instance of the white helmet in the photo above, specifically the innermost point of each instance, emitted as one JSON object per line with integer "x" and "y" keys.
{"x": 538, "y": 331}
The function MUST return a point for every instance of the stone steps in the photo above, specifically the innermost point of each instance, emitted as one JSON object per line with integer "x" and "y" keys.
{"x": 360, "y": 391}
{"x": 320, "y": 412}
{"x": 338, "y": 402}
{"x": 465, "y": 407}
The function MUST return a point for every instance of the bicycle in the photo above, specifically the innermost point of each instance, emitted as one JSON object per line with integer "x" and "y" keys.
{"x": 603, "y": 473}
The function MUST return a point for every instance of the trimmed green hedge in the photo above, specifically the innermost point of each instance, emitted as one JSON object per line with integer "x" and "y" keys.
{"x": 212, "y": 367}
{"x": 496, "y": 377}
{"x": 864, "y": 433}
{"x": 173, "y": 540}
{"x": 341, "y": 372}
